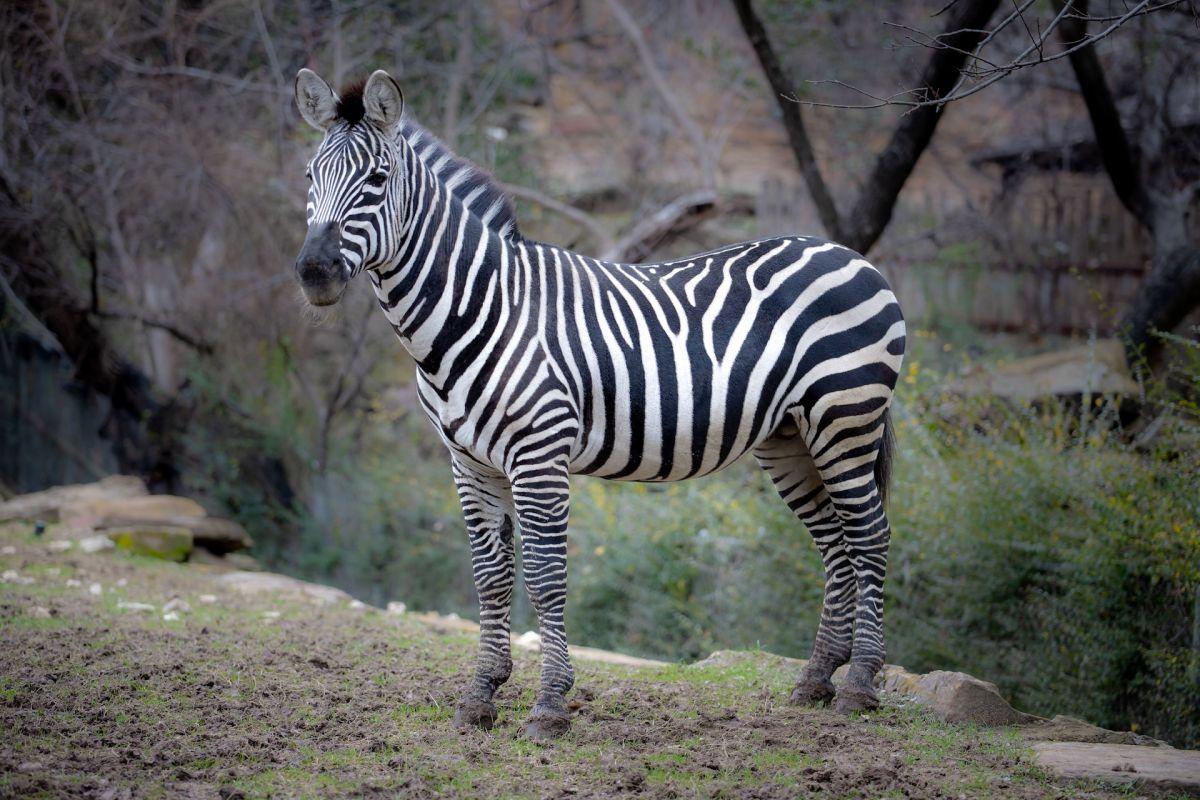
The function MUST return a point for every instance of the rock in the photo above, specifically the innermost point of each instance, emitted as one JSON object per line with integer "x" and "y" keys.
{"x": 396, "y": 607}
{"x": 530, "y": 640}
{"x": 1163, "y": 768}
{"x": 218, "y": 536}
{"x": 8, "y": 550}
{"x": 59, "y": 545}
{"x": 47, "y": 505}
{"x": 1096, "y": 368}
{"x": 95, "y": 589}
{"x": 1068, "y": 729}
{"x": 128, "y": 605}
{"x": 176, "y": 604}
{"x": 73, "y": 583}
{"x": 243, "y": 561}
{"x": 953, "y": 696}
{"x": 271, "y": 583}
{"x": 39, "y": 612}
{"x": 170, "y": 616}
{"x": 94, "y": 544}
{"x": 12, "y": 576}
{"x": 112, "y": 512}
{"x": 207, "y": 598}
{"x": 159, "y": 541}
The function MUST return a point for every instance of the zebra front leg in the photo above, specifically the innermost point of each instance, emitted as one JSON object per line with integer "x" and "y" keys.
{"x": 542, "y": 500}
{"x": 484, "y": 501}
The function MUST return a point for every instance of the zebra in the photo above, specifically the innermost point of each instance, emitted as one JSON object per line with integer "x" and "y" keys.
{"x": 535, "y": 363}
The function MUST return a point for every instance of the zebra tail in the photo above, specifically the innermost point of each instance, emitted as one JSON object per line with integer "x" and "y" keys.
{"x": 883, "y": 462}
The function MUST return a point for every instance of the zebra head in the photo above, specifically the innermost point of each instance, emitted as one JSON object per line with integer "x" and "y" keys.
{"x": 356, "y": 187}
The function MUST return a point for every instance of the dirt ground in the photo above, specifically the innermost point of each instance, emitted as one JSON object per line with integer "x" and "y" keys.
{"x": 272, "y": 696}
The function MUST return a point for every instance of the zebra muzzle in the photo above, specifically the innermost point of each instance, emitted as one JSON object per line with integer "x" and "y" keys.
{"x": 322, "y": 271}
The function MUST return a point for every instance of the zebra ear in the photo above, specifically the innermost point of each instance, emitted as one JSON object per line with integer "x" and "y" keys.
{"x": 383, "y": 100}
{"x": 315, "y": 99}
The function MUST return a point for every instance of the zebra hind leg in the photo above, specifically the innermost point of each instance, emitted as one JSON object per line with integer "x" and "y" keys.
{"x": 786, "y": 459}
{"x": 492, "y": 562}
{"x": 854, "y": 469}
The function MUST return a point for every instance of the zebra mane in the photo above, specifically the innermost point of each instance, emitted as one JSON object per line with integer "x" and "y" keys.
{"x": 478, "y": 189}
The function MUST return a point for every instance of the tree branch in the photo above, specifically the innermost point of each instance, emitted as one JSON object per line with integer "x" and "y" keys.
{"x": 873, "y": 209}
{"x": 1118, "y": 156}
{"x": 669, "y": 97}
{"x": 602, "y": 238}
{"x": 793, "y": 120}
{"x": 673, "y": 218}
{"x": 191, "y": 341}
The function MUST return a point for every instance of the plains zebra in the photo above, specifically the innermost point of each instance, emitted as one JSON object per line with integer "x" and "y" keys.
{"x": 535, "y": 363}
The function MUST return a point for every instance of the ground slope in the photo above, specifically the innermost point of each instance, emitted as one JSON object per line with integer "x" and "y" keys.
{"x": 286, "y": 696}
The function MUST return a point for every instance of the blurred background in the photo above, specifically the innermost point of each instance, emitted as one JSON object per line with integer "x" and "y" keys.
{"x": 1040, "y": 230}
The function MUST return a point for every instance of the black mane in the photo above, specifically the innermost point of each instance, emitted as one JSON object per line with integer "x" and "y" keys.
{"x": 492, "y": 204}
{"x": 350, "y": 102}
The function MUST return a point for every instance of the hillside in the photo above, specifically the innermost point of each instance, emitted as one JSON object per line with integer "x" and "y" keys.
{"x": 307, "y": 693}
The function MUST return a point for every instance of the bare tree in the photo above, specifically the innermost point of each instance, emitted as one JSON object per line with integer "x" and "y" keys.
{"x": 1156, "y": 177}
{"x": 861, "y": 227}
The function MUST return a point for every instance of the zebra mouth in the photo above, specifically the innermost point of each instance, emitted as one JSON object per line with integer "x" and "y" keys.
{"x": 323, "y": 293}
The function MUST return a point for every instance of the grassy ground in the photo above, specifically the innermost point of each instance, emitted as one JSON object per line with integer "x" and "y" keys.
{"x": 271, "y": 697}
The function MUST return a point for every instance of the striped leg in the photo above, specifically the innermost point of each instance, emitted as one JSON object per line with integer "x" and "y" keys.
{"x": 541, "y": 498}
{"x": 848, "y": 471}
{"x": 484, "y": 502}
{"x": 786, "y": 460}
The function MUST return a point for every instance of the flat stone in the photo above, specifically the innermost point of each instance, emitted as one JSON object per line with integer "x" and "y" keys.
{"x": 252, "y": 583}
{"x": 1153, "y": 767}
{"x": 46, "y": 505}
{"x": 1068, "y": 729}
{"x": 110, "y": 512}
{"x": 159, "y": 541}
{"x": 216, "y": 535}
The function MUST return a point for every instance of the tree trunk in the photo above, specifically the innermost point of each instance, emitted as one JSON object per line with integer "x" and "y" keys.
{"x": 966, "y": 25}
{"x": 1167, "y": 295}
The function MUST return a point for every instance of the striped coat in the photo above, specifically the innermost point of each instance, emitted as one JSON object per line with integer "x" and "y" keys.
{"x": 535, "y": 363}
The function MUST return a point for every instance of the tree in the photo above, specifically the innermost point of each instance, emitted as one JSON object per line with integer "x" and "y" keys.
{"x": 1156, "y": 176}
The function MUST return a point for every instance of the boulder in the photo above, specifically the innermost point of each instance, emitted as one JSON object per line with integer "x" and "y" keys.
{"x": 953, "y": 696}
{"x": 159, "y": 541}
{"x": 1161, "y": 768}
{"x": 219, "y": 536}
{"x": 110, "y": 512}
{"x": 47, "y": 505}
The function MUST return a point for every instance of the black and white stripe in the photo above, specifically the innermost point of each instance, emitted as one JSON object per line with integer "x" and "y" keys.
{"x": 535, "y": 363}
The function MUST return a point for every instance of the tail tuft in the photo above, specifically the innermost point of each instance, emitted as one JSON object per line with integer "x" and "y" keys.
{"x": 883, "y": 461}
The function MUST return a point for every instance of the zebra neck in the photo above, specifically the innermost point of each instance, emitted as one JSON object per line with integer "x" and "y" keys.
{"x": 451, "y": 285}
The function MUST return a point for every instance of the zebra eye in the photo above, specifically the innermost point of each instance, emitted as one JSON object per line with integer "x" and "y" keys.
{"x": 376, "y": 179}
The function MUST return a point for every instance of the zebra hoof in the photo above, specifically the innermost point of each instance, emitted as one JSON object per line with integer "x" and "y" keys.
{"x": 475, "y": 713}
{"x": 851, "y": 698}
{"x": 812, "y": 693}
{"x": 547, "y": 722}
